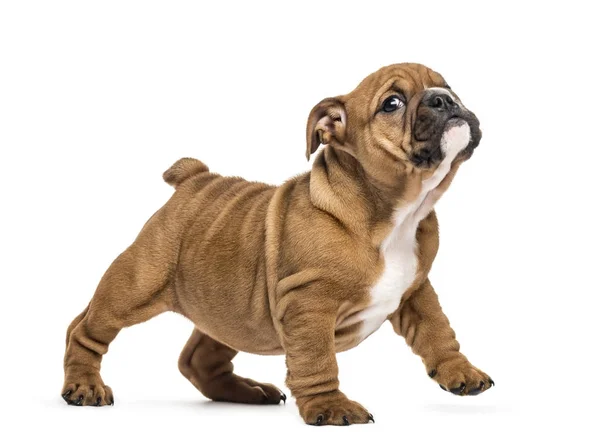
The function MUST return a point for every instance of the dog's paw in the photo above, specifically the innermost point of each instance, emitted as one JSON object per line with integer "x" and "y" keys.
{"x": 333, "y": 408}
{"x": 236, "y": 389}
{"x": 84, "y": 387}
{"x": 460, "y": 377}
{"x": 271, "y": 394}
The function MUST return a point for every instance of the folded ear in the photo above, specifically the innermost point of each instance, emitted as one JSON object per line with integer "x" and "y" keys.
{"x": 326, "y": 124}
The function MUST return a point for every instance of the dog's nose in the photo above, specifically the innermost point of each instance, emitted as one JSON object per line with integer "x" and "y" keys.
{"x": 442, "y": 101}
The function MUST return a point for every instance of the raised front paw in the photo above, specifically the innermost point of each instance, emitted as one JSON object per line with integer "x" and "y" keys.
{"x": 332, "y": 408}
{"x": 460, "y": 377}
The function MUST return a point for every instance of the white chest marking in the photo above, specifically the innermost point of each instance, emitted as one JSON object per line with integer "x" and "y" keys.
{"x": 399, "y": 249}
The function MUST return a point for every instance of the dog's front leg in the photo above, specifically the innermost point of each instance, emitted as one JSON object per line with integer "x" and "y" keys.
{"x": 427, "y": 331}
{"x": 307, "y": 326}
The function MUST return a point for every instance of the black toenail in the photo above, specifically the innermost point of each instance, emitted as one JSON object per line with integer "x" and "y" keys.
{"x": 371, "y": 418}
{"x": 478, "y": 390}
{"x": 98, "y": 401}
{"x": 346, "y": 422}
{"x": 79, "y": 401}
{"x": 320, "y": 419}
{"x": 283, "y": 397}
{"x": 432, "y": 373}
{"x": 459, "y": 390}
{"x": 66, "y": 394}
{"x": 491, "y": 382}
{"x": 444, "y": 388}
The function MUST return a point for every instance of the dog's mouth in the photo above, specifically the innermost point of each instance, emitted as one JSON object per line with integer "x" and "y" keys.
{"x": 427, "y": 157}
{"x": 458, "y": 136}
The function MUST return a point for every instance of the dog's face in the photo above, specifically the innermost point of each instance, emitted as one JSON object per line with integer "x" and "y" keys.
{"x": 404, "y": 116}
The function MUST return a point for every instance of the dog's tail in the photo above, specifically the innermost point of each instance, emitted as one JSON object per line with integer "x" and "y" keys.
{"x": 183, "y": 169}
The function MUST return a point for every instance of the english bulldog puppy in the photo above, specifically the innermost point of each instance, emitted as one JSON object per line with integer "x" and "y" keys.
{"x": 305, "y": 269}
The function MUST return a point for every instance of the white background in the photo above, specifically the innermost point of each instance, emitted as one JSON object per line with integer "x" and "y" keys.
{"x": 97, "y": 99}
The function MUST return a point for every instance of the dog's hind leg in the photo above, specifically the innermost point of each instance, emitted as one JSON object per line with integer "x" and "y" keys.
{"x": 206, "y": 363}
{"x": 135, "y": 288}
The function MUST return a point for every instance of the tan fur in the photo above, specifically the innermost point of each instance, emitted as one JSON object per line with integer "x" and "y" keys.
{"x": 182, "y": 169}
{"x": 286, "y": 269}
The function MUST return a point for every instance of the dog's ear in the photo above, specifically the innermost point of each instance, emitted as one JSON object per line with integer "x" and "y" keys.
{"x": 326, "y": 124}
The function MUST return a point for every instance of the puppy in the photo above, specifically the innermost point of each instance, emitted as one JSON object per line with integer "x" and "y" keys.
{"x": 306, "y": 269}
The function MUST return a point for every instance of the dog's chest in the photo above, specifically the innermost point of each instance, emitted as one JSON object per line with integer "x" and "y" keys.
{"x": 399, "y": 256}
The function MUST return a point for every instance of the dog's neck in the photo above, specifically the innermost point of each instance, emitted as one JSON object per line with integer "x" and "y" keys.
{"x": 358, "y": 200}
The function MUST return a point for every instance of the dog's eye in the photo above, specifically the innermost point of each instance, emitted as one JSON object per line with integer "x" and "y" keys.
{"x": 392, "y": 104}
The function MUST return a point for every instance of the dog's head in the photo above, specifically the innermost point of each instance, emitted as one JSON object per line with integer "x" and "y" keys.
{"x": 404, "y": 116}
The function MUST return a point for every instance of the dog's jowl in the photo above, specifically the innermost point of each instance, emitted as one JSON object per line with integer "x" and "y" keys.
{"x": 306, "y": 269}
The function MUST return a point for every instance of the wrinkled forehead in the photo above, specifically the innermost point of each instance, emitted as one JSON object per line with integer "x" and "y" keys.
{"x": 408, "y": 78}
